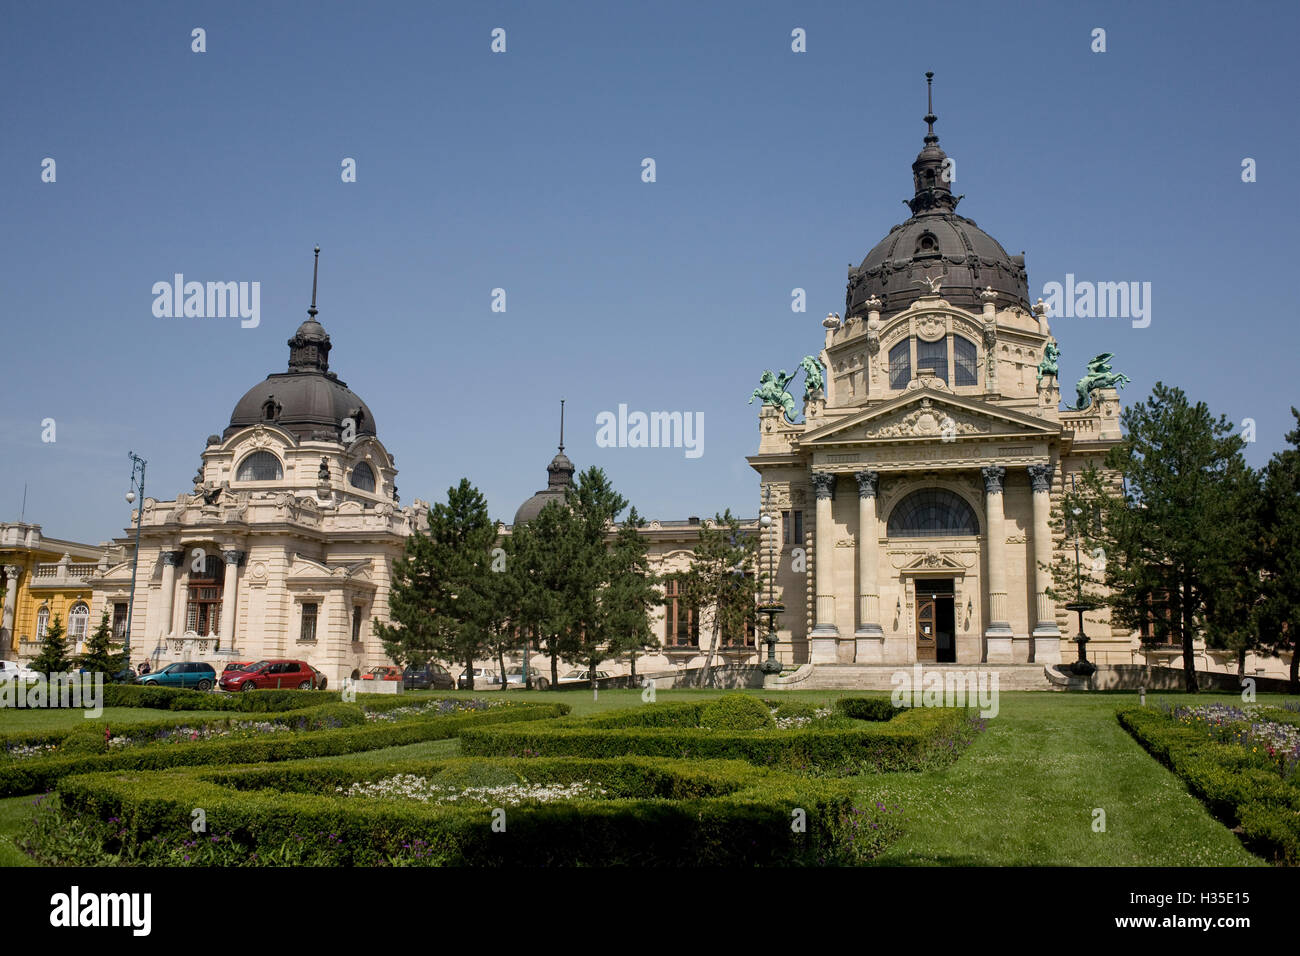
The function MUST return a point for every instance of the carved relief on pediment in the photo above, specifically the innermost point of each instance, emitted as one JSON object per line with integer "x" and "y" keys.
{"x": 932, "y": 559}
{"x": 931, "y": 328}
{"x": 927, "y": 421}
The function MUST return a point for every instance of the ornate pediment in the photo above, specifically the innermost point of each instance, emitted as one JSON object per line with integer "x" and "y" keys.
{"x": 932, "y": 560}
{"x": 932, "y": 415}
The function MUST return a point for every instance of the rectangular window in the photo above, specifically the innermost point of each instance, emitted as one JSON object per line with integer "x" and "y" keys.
{"x": 964, "y": 361}
{"x": 308, "y": 632}
{"x": 356, "y": 624}
{"x": 900, "y": 364}
{"x": 119, "y": 620}
{"x": 792, "y": 528}
{"x": 933, "y": 355}
{"x": 681, "y": 623}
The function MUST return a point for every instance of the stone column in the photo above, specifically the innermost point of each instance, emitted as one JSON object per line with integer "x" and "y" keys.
{"x": 7, "y": 644}
{"x": 824, "y": 634}
{"x": 869, "y": 637}
{"x": 232, "y": 559}
{"x": 170, "y": 559}
{"x": 997, "y": 626}
{"x": 1047, "y": 636}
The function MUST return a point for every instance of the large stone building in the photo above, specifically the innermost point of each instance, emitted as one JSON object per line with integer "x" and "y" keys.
{"x": 285, "y": 545}
{"x": 918, "y": 491}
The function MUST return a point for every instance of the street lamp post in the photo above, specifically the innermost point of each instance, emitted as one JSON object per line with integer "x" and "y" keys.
{"x": 137, "y": 481}
{"x": 1082, "y": 667}
{"x": 772, "y": 608}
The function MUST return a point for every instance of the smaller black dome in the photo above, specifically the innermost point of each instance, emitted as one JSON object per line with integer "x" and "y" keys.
{"x": 559, "y": 477}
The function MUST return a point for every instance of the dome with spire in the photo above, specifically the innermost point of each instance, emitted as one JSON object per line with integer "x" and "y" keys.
{"x": 308, "y": 400}
{"x": 559, "y": 478}
{"x": 936, "y": 244}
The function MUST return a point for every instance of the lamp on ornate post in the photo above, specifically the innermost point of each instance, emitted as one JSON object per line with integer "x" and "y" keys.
{"x": 137, "y": 481}
{"x": 1082, "y": 667}
{"x": 772, "y": 608}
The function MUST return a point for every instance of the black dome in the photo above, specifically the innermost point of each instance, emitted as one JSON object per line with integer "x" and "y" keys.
{"x": 936, "y": 244}
{"x": 559, "y": 476}
{"x": 308, "y": 400}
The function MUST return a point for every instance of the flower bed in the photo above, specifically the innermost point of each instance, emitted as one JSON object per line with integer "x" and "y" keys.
{"x": 1262, "y": 731}
{"x": 1245, "y": 786}
{"x": 915, "y": 739}
{"x": 630, "y": 811}
{"x": 83, "y": 750}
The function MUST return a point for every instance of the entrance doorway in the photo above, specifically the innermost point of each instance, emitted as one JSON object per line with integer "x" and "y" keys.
{"x": 936, "y": 621}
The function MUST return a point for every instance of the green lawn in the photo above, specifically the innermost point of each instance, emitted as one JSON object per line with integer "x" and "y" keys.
{"x": 1023, "y": 794}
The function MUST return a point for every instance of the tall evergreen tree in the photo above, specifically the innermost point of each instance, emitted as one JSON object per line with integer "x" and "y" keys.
{"x": 1157, "y": 550}
{"x": 99, "y": 656}
{"x": 544, "y": 550}
{"x": 1279, "y": 611}
{"x": 632, "y": 590}
{"x": 53, "y": 657}
{"x": 441, "y": 592}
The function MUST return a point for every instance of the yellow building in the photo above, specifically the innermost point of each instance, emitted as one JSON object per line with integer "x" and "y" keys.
{"x": 44, "y": 577}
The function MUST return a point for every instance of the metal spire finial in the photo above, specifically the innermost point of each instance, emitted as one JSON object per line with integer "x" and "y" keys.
{"x": 929, "y": 108}
{"x": 314, "y": 270}
{"x": 561, "y": 426}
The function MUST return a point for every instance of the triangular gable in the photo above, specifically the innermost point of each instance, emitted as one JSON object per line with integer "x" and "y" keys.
{"x": 927, "y": 414}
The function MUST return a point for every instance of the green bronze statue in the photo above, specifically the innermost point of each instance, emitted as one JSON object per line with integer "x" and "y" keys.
{"x": 771, "y": 389}
{"x": 1099, "y": 376}
{"x": 813, "y": 378}
{"x": 1051, "y": 358}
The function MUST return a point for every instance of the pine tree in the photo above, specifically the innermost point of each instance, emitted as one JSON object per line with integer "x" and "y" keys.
{"x": 441, "y": 593}
{"x": 631, "y": 591}
{"x": 53, "y": 658}
{"x": 718, "y": 584}
{"x": 1176, "y": 537}
{"x": 1279, "y": 517}
{"x": 98, "y": 656}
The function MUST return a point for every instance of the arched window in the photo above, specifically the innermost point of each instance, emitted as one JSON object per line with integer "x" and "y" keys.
{"x": 964, "y": 361}
{"x": 933, "y": 355}
{"x": 42, "y": 620}
{"x": 270, "y": 409}
{"x": 900, "y": 364}
{"x": 260, "y": 466}
{"x": 363, "y": 477}
{"x": 932, "y": 513}
{"x": 78, "y": 622}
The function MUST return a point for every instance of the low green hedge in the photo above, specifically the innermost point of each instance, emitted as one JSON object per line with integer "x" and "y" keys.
{"x": 1240, "y": 788}
{"x": 657, "y": 813}
{"x": 736, "y": 712}
{"x": 913, "y": 740}
{"x": 867, "y": 708}
{"x": 251, "y": 702}
{"x": 38, "y": 774}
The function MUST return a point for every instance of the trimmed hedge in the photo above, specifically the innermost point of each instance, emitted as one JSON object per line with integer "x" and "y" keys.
{"x": 736, "y": 712}
{"x": 252, "y": 702}
{"x": 867, "y": 708}
{"x": 38, "y": 774}
{"x": 914, "y": 740}
{"x": 659, "y": 813}
{"x": 1239, "y": 788}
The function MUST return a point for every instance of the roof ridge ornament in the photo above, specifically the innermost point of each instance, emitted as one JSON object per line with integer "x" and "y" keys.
{"x": 312, "y": 311}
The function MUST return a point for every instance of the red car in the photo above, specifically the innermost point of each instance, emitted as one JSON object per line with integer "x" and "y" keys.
{"x": 271, "y": 674}
{"x": 383, "y": 672}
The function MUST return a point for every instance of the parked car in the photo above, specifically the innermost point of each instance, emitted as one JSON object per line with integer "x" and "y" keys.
{"x": 515, "y": 680}
{"x": 13, "y": 670}
{"x": 271, "y": 674}
{"x": 483, "y": 679}
{"x": 321, "y": 679}
{"x": 193, "y": 674}
{"x": 429, "y": 677}
{"x": 574, "y": 677}
{"x": 236, "y": 666}
{"x": 383, "y": 672}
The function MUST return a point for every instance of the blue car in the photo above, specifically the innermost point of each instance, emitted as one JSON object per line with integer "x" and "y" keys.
{"x": 192, "y": 674}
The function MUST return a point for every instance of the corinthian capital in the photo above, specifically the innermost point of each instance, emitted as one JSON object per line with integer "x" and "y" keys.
{"x": 823, "y": 484}
{"x": 867, "y": 483}
{"x": 993, "y": 475}
{"x": 1040, "y": 477}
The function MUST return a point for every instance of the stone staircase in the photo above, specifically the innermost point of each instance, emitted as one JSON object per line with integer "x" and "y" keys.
{"x": 881, "y": 676}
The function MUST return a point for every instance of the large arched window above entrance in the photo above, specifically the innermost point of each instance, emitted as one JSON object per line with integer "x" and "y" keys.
{"x": 932, "y": 513}
{"x": 260, "y": 466}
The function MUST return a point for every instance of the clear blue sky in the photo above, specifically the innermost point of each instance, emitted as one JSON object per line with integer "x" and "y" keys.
{"x": 522, "y": 171}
